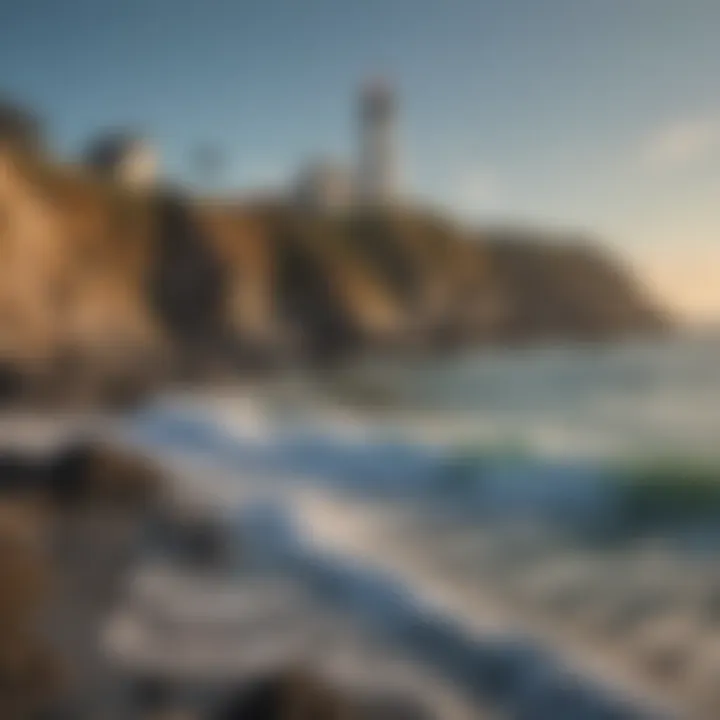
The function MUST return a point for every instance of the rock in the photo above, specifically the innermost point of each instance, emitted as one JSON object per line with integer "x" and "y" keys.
{"x": 30, "y": 673}
{"x": 93, "y": 473}
{"x": 290, "y": 695}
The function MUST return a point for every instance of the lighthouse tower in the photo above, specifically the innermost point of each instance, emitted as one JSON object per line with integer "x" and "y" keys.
{"x": 377, "y": 167}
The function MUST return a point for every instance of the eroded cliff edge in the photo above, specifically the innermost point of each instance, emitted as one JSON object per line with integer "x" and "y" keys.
{"x": 105, "y": 291}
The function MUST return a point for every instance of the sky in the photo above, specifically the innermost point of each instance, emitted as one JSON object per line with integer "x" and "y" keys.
{"x": 596, "y": 115}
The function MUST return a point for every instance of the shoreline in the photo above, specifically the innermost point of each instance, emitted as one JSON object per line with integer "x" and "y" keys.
{"x": 601, "y": 665}
{"x": 371, "y": 561}
{"x": 338, "y": 528}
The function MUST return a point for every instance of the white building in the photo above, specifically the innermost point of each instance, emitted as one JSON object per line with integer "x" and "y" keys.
{"x": 325, "y": 187}
{"x": 125, "y": 158}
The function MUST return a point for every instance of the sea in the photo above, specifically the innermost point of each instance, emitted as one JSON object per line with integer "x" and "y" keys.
{"x": 549, "y": 421}
{"x": 481, "y": 498}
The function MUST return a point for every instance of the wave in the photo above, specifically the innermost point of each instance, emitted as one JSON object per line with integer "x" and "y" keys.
{"x": 482, "y": 481}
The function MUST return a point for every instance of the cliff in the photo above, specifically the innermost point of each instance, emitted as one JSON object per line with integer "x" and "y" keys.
{"x": 104, "y": 290}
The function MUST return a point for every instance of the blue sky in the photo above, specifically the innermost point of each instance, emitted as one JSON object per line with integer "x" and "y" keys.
{"x": 597, "y": 114}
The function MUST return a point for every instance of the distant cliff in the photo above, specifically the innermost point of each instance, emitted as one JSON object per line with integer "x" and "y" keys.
{"x": 104, "y": 290}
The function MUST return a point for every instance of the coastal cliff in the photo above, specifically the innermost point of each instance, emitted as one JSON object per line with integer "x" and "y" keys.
{"x": 105, "y": 290}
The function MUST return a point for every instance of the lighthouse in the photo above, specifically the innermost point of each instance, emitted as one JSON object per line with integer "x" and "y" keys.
{"x": 377, "y": 172}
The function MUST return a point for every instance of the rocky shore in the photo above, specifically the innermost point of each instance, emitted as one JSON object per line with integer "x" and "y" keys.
{"x": 148, "y": 589}
{"x": 70, "y": 524}
{"x": 104, "y": 567}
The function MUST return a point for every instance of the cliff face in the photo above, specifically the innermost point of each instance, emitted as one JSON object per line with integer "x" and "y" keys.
{"x": 103, "y": 289}
{"x": 74, "y": 259}
{"x": 555, "y": 292}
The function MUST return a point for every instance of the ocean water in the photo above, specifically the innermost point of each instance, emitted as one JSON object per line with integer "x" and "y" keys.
{"x": 465, "y": 504}
{"x": 535, "y": 431}
{"x": 597, "y": 401}
{"x": 658, "y": 398}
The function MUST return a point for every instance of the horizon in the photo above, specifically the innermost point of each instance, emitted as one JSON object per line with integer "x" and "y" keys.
{"x": 601, "y": 118}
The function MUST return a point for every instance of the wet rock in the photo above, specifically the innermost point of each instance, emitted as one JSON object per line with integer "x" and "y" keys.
{"x": 21, "y": 475}
{"x": 290, "y": 695}
{"x": 199, "y": 540}
{"x": 95, "y": 474}
{"x": 151, "y": 696}
{"x": 30, "y": 673}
